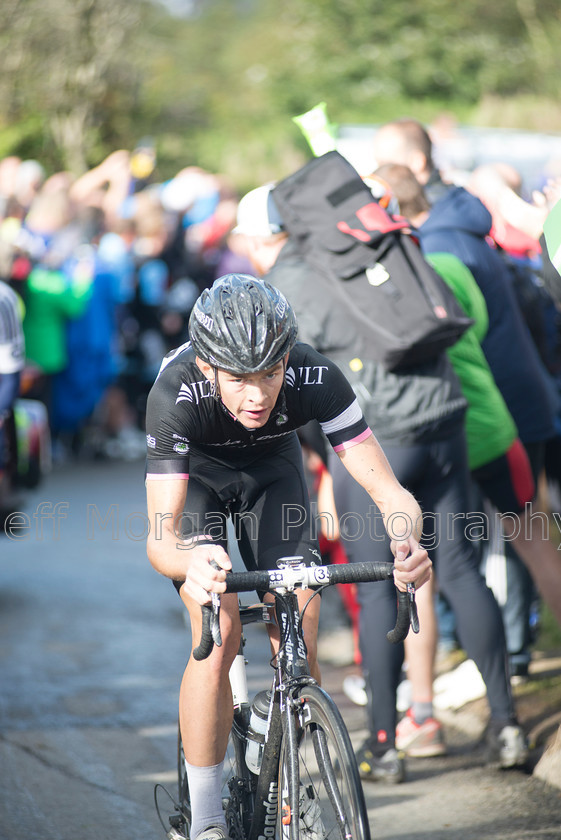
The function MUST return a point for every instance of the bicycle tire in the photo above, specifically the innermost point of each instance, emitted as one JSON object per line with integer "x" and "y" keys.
{"x": 183, "y": 787}
{"x": 331, "y": 798}
{"x": 236, "y": 786}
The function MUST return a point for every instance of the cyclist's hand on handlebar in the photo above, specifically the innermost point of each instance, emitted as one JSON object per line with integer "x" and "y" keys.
{"x": 202, "y": 578}
{"x": 412, "y": 563}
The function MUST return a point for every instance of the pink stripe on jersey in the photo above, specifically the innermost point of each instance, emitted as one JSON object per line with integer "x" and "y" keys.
{"x": 353, "y": 441}
{"x": 158, "y": 477}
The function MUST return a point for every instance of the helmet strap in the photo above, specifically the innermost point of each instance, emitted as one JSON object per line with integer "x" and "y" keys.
{"x": 282, "y": 406}
{"x": 215, "y": 386}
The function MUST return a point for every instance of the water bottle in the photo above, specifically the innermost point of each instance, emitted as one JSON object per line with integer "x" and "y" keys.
{"x": 238, "y": 682}
{"x": 256, "y": 732}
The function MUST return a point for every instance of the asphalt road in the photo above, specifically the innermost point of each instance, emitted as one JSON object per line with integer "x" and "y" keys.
{"x": 92, "y": 647}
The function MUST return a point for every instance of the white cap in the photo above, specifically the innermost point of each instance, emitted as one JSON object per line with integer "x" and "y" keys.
{"x": 257, "y": 213}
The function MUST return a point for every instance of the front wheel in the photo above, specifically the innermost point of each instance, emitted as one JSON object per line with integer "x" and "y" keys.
{"x": 331, "y": 799}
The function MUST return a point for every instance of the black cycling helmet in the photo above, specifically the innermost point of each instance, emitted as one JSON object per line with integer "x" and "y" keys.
{"x": 242, "y": 325}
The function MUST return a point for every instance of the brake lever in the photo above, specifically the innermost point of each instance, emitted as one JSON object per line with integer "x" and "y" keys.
{"x": 412, "y": 604}
{"x": 215, "y": 613}
{"x": 215, "y": 619}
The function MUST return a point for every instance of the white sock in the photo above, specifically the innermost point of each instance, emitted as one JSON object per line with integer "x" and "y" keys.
{"x": 205, "y": 789}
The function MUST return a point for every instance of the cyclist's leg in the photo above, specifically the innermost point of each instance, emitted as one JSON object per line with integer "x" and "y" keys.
{"x": 205, "y": 700}
{"x": 205, "y": 697}
{"x": 273, "y": 520}
{"x": 205, "y": 716}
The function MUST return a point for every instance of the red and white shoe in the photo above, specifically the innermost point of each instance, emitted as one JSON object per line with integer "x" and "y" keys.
{"x": 419, "y": 740}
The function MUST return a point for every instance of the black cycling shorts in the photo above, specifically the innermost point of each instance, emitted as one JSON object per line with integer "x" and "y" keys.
{"x": 267, "y": 501}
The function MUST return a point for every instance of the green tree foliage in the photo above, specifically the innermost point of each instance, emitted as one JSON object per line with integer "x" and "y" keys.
{"x": 219, "y": 86}
{"x": 369, "y": 60}
{"x": 70, "y": 63}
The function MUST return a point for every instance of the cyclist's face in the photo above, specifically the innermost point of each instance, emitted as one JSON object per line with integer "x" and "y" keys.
{"x": 251, "y": 397}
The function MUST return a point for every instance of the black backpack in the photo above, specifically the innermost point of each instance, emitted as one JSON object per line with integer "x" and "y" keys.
{"x": 377, "y": 273}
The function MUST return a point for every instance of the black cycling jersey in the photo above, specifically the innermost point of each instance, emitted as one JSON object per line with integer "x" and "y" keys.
{"x": 184, "y": 417}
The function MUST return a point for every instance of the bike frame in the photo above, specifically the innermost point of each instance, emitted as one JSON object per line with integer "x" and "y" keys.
{"x": 291, "y": 672}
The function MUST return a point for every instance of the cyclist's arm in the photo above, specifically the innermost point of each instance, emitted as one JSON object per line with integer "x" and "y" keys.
{"x": 403, "y": 520}
{"x": 173, "y": 556}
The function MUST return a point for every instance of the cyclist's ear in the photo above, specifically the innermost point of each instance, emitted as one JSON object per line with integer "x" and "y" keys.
{"x": 207, "y": 369}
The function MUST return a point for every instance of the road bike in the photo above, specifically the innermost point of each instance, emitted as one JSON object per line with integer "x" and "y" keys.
{"x": 290, "y": 772}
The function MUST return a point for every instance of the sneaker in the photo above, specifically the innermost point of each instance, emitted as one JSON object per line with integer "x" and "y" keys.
{"x": 213, "y": 832}
{"x": 175, "y": 834}
{"x": 458, "y": 687}
{"x": 354, "y": 686}
{"x": 519, "y": 666}
{"x": 388, "y": 767}
{"x": 506, "y": 746}
{"x": 419, "y": 740}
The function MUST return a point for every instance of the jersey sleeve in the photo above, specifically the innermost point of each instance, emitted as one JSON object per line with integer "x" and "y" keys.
{"x": 167, "y": 433}
{"x": 334, "y": 403}
{"x": 346, "y": 429}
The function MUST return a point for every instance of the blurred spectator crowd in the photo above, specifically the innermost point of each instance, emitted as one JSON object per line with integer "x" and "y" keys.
{"x": 107, "y": 267}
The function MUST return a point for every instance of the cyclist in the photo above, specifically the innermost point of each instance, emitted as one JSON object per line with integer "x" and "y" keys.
{"x": 221, "y": 441}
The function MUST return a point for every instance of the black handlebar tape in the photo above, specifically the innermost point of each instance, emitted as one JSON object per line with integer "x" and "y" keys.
{"x": 402, "y": 623}
{"x": 247, "y": 581}
{"x": 343, "y": 573}
{"x": 204, "y": 648}
{"x": 360, "y": 572}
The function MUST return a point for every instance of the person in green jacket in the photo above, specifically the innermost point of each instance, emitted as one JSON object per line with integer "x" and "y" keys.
{"x": 51, "y": 299}
{"x": 52, "y": 295}
{"x": 490, "y": 428}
